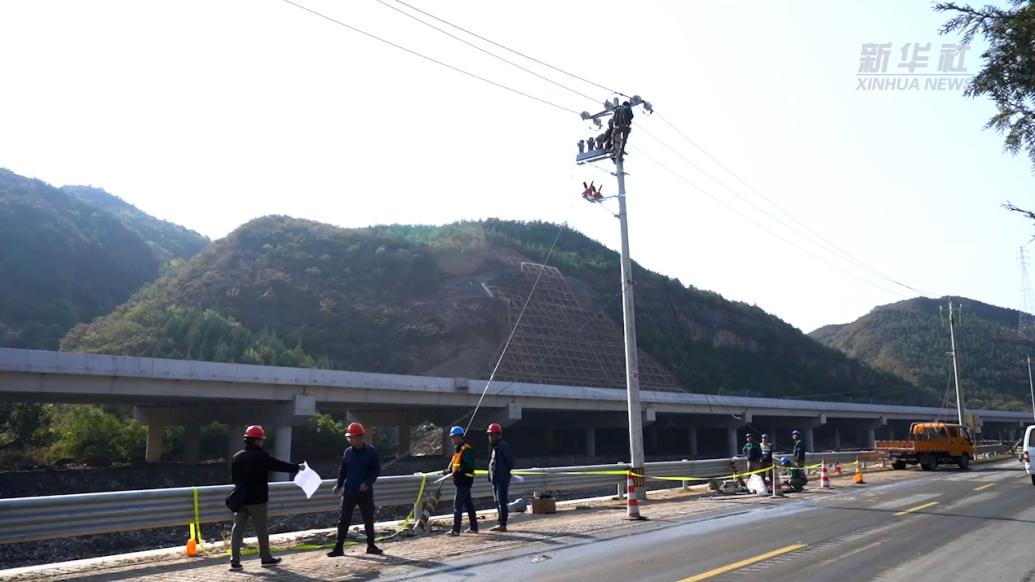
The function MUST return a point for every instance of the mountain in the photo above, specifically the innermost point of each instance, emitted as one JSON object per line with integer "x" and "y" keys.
{"x": 442, "y": 300}
{"x": 64, "y": 260}
{"x": 911, "y": 339}
{"x": 170, "y": 240}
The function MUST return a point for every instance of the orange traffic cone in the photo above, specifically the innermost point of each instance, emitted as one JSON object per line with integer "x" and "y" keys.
{"x": 632, "y": 504}
{"x": 858, "y": 479}
{"x": 824, "y": 477}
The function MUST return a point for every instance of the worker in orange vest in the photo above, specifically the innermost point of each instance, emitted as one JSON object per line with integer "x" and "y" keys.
{"x": 461, "y": 467}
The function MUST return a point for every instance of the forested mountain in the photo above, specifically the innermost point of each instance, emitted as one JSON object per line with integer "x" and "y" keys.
{"x": 65, "y": 259}
{"x": 911, "y": 339}
{"x": 170, "y": 240}
{"x": 417, "y": 299}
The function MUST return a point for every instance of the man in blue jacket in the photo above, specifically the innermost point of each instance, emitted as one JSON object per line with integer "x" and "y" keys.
{"x": 360, "y": 467}
{"x": 501, "y": 463}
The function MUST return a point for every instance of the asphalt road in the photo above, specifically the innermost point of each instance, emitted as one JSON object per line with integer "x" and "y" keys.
{"x": 947, "y": 525}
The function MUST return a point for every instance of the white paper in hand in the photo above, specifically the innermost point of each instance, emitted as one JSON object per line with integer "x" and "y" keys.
{"x": 308, "y": 480}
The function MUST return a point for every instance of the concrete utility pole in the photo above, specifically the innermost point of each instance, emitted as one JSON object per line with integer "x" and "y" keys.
{"x": 616, "y": 137}
{"x": 955, "y": 364}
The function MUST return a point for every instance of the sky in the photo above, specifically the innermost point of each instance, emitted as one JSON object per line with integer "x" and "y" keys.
{"x": 210, "y": 114}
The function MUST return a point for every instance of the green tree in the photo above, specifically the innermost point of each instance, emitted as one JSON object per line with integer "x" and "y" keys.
{"x": 1009, "y": 62}
{"x": 24, "y": 425}
{"x": 86, "y": 430}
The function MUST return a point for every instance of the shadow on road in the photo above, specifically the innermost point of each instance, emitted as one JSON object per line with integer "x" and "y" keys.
{"x": 252, "y": 570}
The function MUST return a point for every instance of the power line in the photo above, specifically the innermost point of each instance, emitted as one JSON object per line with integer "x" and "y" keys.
{"x": 732, "y": 209}
{"x": 836, "y": 249}
{"x": 517, "y": 323}
{"x": 431, "y": 59}
{"x": 776, "y": 219}
{"x": 490, "y": 53}
{"x": 494, "y": 43}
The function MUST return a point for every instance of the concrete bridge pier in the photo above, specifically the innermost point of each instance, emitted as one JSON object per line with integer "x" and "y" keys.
{"x": 191, "y": 444}
{"x": 276, "y": 417}
{"x": 692, "y": 438}
{"x": 591, "y": 441}
{"x": 282, "y": 448}
{"x": 153, "y": 449}
{"x": 234, "y": 441}
{"x": 405, "y": 440}
{"x": 732, "y": 440}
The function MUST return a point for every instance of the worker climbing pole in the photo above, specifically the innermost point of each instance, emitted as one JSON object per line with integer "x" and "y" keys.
{"x": 610, "y": 145}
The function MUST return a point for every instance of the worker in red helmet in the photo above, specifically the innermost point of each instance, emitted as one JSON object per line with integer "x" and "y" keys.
{"x": 249, "y": 472}
{"x": 360, "y": 467}
{"x": 501, "y": 463}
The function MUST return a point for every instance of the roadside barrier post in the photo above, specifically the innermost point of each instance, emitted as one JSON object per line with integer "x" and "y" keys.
{"x": 777, "y": 490}
{"x": 824, "y": 477}
{"x": 632, "y": 504}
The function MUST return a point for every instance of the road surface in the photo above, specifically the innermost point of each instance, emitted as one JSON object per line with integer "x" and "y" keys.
{"x": 956, "y": 525}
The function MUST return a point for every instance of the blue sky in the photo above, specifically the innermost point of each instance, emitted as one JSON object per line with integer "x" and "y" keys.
{"x": 209, "y": 114}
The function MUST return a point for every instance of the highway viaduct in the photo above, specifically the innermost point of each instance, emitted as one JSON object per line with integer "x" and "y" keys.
{"x": 576, "y": 420}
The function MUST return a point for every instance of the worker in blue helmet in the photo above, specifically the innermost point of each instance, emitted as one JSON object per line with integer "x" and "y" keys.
{"x": 461, "y": 467}
{"x": 796, "y": 478}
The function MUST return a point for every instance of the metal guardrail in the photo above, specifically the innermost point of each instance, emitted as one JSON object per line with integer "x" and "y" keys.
{"x": 59, "y": 516}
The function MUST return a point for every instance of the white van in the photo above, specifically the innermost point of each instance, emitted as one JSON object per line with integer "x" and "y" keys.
{"x": 1028, "y": 451}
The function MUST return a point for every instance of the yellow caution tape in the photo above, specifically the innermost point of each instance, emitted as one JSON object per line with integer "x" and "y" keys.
{"x": 196, "y": 526}
{"x": 731, "y": 476}
{"x": 548, "y": 473}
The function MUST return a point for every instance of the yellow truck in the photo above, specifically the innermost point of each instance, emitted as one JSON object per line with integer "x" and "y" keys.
{"x": 930, "y": 444}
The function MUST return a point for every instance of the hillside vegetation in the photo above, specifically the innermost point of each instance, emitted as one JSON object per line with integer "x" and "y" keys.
{"x": 411, "y": 299}
{"x": 911, "y": 339}
{"x": 66, "y": 259}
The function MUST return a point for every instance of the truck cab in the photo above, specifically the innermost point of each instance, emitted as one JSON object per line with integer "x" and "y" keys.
{"x": 930, "y": 444}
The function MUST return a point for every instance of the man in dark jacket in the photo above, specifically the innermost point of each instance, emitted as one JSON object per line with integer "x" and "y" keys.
{"x": 360, "y": 467}
{"x": 799, "y": 448}
{"x": 250, "y": 473}
{"x": 461, "y": 467}
{"x": 753, "y": 452}
{"x": 501, "y": 463}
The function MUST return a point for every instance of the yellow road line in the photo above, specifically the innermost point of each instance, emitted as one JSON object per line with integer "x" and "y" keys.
{"x": 917, "y": 508}
{"x": 983, "y": 487}
{"x": 743, "y": 563}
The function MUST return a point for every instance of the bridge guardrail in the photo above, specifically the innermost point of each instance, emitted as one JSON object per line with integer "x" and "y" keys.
{"x": 58, "y": 516}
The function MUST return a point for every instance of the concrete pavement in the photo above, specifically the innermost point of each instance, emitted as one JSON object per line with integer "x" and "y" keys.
{"x": 961, "y": 525}
{"x": 956, "y": 525}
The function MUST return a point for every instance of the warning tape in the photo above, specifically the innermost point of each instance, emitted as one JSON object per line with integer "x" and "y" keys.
{"x": 731, "y": 476}
{"x": 310, "y": 547}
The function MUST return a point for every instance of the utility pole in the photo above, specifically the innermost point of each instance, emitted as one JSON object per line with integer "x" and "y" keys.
{"x": 1031, "y": 386}
{"x": 955, "y": 365}
{"x": 1025, "y": 320}
{"x": 596, "y": 149}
